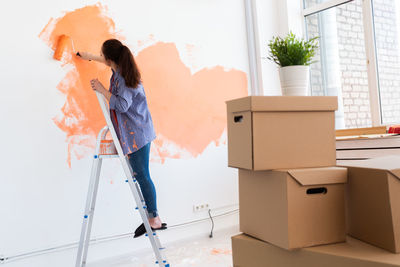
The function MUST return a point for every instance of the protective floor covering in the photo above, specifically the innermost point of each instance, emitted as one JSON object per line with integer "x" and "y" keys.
{"x": 200, "y": 251}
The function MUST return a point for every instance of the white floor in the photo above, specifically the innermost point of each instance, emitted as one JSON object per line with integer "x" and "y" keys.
{"x": 194, "y": 252}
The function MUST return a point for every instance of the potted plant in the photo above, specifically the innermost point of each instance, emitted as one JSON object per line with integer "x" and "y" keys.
{"x": 293, "y": 56}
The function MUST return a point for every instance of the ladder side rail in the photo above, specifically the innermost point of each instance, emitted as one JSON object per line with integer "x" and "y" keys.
{"x": 153, "y": 237}
{"x": 89, "y": 197}
{"x": 129, "y": 175}
{"x": 91, "y": 215}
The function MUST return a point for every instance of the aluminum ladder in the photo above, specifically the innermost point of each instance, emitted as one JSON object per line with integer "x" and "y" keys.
{"x": 93, "y": 187}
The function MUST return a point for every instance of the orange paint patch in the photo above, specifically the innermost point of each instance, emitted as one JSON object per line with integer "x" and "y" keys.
{"x": 81, "y": 114}
{"x": 134, "y": 146}
{"x": 188, "y": 110}
{"x": 217, "y": 251}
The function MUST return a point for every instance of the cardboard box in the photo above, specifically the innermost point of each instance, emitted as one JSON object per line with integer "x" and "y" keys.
{"x": 273, "y": 132}
{"x": 373, "y": 202}
{"x": 250, "y": 252}
{"x": 293, "y": 208}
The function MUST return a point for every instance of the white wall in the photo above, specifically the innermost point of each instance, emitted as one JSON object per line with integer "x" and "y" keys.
{"x": 276, "y": 18}
{"x": 42, "y": 199}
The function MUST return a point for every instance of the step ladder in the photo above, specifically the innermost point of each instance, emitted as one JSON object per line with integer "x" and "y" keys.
{"x": 112, "y": 149}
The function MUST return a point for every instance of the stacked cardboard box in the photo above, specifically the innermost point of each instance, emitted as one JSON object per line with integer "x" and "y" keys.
{"x": 291, "y": 194}
{"x": 373, "y": 202}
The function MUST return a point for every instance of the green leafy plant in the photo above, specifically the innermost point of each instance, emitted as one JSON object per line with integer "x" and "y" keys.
{"x": 290, "y": 51}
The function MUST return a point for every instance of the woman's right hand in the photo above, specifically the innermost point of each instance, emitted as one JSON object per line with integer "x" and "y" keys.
{"x": 84, "y": 55}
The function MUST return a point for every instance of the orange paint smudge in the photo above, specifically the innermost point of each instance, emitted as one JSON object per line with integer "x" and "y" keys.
{"x": 160, "y": 151}
{"x": 192, "y": 118}
{"x": 134, "y": 146}
{"x": 195, "y": 113}
{"x": 218, "y": 251}
{"x": 81, "y": 114}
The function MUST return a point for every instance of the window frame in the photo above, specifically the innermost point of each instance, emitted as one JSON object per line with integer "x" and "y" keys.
{"x": 370, "y": 50}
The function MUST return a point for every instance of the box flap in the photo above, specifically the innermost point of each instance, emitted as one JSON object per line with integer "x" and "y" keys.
{"x": 317, "y": 176}
{"x": 283, "y": 103}
{"x": 388, "y": 163}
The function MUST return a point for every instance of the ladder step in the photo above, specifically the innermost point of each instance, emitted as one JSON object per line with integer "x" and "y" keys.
{"x": 106, "y": 156}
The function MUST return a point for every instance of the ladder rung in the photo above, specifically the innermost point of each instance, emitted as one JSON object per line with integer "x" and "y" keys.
{"x": 107, "y": 156}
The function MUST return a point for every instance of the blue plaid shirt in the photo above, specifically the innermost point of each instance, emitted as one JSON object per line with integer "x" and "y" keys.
{"x": 130, "y": 115}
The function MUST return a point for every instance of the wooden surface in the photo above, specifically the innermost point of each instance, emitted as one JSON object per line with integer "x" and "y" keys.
{"x": 361, "y": 131}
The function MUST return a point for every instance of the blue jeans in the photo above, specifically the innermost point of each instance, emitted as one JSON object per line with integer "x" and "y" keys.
{"x": 139, "y": 162}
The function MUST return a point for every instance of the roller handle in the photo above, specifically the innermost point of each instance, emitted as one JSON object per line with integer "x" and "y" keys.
{"x": 79, "y": 55}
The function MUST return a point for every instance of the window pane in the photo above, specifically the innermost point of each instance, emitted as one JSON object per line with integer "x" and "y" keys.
{"x": 387, "y": 26}
{"x": 341, "y": 68}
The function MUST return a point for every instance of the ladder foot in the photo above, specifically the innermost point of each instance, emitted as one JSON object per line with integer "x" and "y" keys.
{"x": 165, "y": 262}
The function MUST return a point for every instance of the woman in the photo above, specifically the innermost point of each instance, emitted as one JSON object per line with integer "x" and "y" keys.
{"x": 131, "y": 118}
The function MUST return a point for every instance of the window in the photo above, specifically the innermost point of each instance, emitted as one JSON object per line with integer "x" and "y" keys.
{"x": 387, "y": 39}
{"x": 358, "y": 59}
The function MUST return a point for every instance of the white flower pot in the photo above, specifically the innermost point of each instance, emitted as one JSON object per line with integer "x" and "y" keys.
{"x": 294, "y": 80}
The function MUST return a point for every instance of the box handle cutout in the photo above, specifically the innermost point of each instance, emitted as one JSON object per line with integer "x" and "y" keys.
{"x": 317, "y": 190}
{"x": 238, "y": 118}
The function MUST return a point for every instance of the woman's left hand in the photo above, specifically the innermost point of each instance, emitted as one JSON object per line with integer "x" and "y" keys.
{"x": 97, "y": 86}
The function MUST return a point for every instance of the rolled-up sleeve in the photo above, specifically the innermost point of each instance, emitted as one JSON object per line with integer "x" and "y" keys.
{"x": 122, "y": 100}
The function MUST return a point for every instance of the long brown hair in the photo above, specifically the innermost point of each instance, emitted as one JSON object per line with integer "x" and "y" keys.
{"x": 121, "y": 55}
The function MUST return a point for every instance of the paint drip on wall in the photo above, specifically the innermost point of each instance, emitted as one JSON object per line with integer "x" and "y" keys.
{"x": 188, "y": 110}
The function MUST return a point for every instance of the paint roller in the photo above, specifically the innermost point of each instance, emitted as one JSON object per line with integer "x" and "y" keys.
{"x": 62, "y": 45}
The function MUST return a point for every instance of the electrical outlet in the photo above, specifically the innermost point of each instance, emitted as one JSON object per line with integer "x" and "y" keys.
{"x": 201, "y": 207}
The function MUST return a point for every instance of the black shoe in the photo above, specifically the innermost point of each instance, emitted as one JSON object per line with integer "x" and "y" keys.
{"x": 141, "y": 230}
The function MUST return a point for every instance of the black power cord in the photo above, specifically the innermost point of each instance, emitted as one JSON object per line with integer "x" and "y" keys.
{"x": 212, "y": 221}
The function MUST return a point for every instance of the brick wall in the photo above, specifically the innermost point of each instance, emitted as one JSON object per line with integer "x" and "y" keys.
{"x": 351, "y": 47}
{"x": 388, "y": 58}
